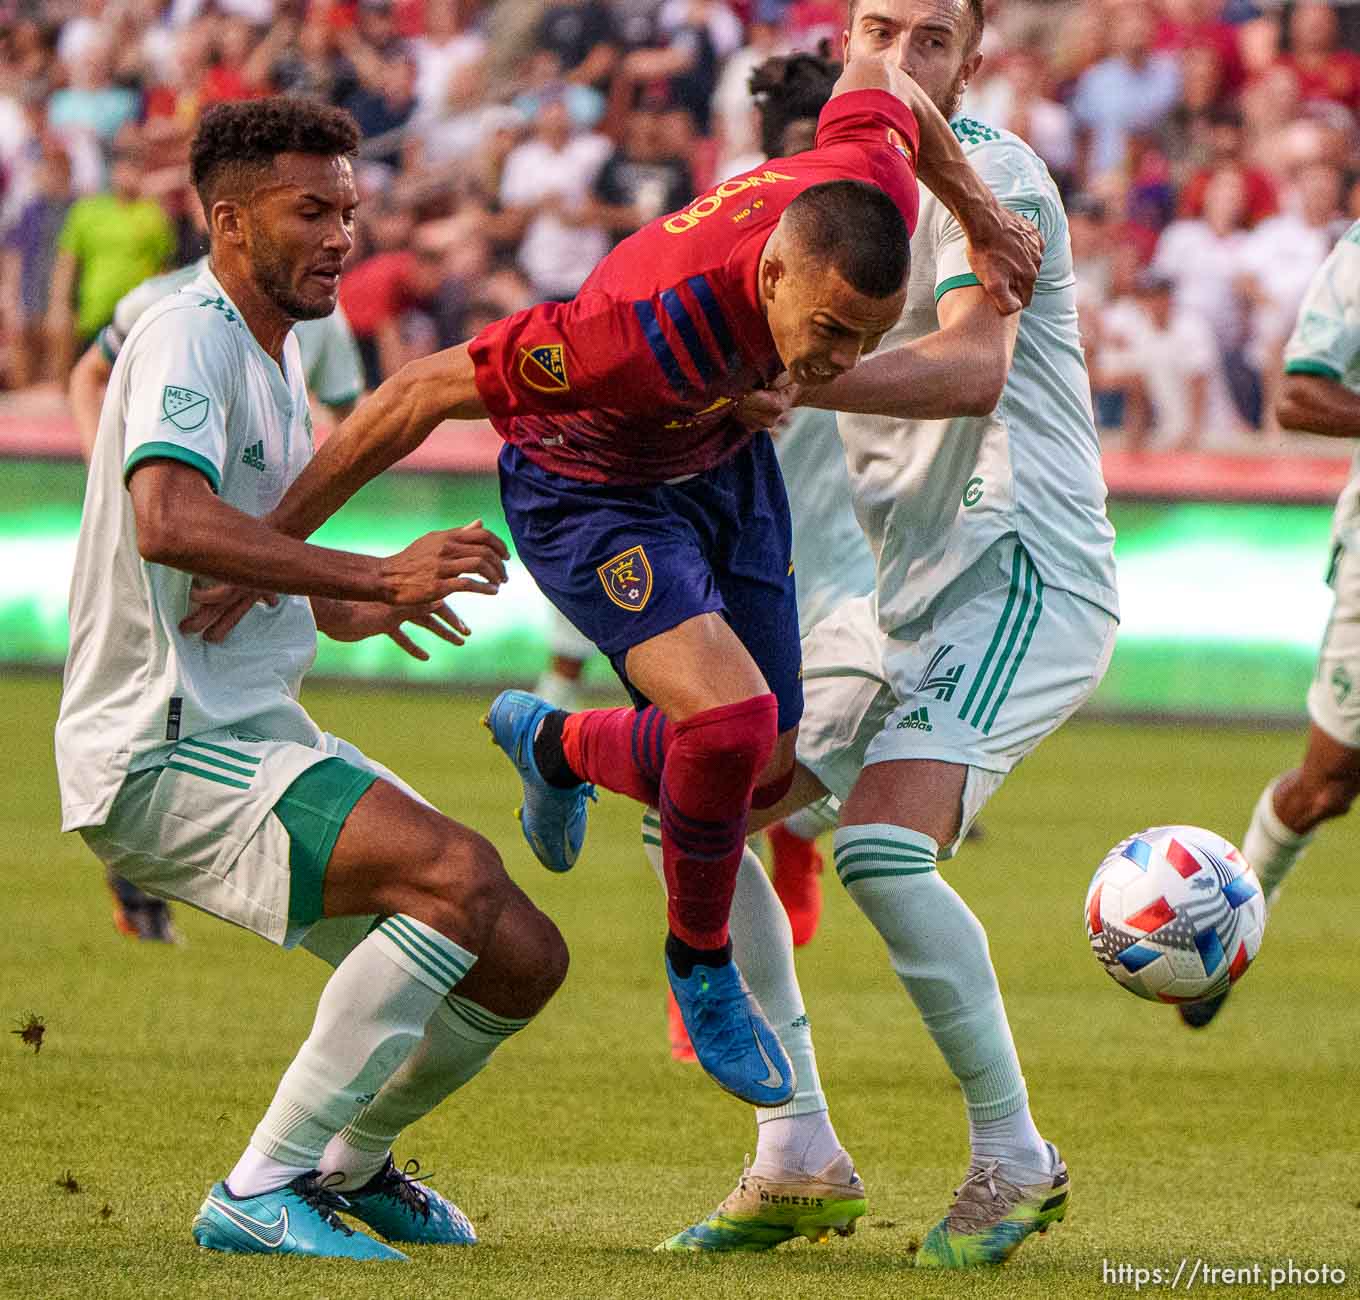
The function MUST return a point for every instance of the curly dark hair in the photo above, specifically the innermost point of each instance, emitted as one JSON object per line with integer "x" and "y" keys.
{"x": 789, "y": 88}
{"x": 235, "y": 142}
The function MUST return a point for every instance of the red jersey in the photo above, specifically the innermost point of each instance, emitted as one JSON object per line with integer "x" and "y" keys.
{"x": 634, "y": 380}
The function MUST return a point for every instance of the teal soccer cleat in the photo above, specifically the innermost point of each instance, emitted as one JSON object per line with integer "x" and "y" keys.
{"x": 297, "y": 1219}
{"x": 991, "y": 1216}
{"x": 731, "y": 1037}
{"x": 394, "y": 1203}
{"x": 553, "y": 820}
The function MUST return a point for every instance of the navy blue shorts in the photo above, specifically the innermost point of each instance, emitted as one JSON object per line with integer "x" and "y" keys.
{"x": 625, "y": 564}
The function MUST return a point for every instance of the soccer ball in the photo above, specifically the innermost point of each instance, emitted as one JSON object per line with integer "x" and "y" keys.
{"x": 1175, "y": 914}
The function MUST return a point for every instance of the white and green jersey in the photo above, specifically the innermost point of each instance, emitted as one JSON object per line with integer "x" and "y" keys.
{"x": 330, "y": 357}
{"x": 190, "y": 384}
{"x": 1326, "y": 341}
{"x": 932, "y": 495}
{"x": 831, "y": 559}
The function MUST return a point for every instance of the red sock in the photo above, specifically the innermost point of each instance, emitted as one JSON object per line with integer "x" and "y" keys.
{"x": 620, "y": 749}
{"x": 710, "y": 768}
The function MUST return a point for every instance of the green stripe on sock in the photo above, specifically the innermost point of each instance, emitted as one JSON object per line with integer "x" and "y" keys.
{"x": 1019, "y": 658}
{"x": 480, "y": 1018}
{"x": 209, "y": 776}
{"x": 996, "y": 636}
{"x": 901, "y": 859}
{"x": 874, "y": 873}
{"x": 654, "y": 840}
{"x": 1010, "y": 640}
{"x": 431, "y": 949}
{"x": 220, "y": 749}
{"x": 235, "y": 768}
{"x": 403, "y": 946}
{"x": 903, "y": 846}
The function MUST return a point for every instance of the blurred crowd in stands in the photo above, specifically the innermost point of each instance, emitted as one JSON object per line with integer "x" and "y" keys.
{"x": 1207, "y": 150}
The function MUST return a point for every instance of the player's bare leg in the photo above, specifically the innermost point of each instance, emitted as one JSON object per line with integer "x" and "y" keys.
{"x": 1289, "y": 811}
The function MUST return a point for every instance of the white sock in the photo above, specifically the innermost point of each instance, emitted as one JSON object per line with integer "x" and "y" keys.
{"x": 561, "y": 692}
{"x": 458, "y": 1042}
{"x": 810, "y": 822}
{"x": 938, "y": 949}
{"x": 1270, "y": 846}
{"x": 372, "y": 1013}
{"x": 762, "y": 946}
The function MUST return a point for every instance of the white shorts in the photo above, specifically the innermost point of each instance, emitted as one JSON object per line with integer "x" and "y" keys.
{"x": 1334, "y": 696}
{"x": 1000, "y": 662}
{"x": 205, "y": 830}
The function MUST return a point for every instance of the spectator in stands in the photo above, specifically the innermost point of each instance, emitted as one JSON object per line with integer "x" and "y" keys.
{"x": 1017, "y": 98}
{"x": 1324, "y": 71}
{"x": 1204, "y": 260}
{"x": 687, "y": 59}
{"x": 388, "y": 299}
{"x": 640, "y": 180}
{"x": 581, "y": 33}
{"x": 1133, "y": 89}
{"x": 736, "y": 122}
{"x": 1187, "y": 25}
{"x": 26, "y": 139}
{"x": 1279, "y": 259}
{"x": 384, "y": 105}
{"x": 1164, "y": 360}
{"x": 445, "y": 53}
{"x": 544, "y": 189}
{"x": 91, "y": 102}
{"x": 29, "y": 256}
{"x": 108, "y": 243}
{"x": 1224, "y": 141}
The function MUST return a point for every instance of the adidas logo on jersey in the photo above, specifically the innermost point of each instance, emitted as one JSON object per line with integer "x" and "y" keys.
{"x": 254, "y": 455}
{"x": 916, "y": 720}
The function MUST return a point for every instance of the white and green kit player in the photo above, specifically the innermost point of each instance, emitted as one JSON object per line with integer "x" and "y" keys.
{"x": 187, "y": 763}
{"x": 975, "y": 470}
{"x": 334, "y": 375}
{"x": 1320, "y": 393}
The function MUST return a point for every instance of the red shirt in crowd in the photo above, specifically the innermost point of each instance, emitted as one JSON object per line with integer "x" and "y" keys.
{"x": 635, "y": 379}
{"x": 378, "y": 291}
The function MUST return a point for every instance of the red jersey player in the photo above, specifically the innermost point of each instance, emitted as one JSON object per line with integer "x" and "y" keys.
{"x": 657, "y": 523}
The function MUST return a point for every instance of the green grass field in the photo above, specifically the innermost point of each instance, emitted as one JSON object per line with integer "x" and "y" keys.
{"x": 583, "y": 1144}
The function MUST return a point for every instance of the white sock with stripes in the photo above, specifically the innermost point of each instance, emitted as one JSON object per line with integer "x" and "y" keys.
{"x": 373, "y": 1012}
{"x": 1270, "y": 846}
{"x": 458, "y": 1042}
{"x": 796, "y": 1137}
{"x": 938, "y": 949}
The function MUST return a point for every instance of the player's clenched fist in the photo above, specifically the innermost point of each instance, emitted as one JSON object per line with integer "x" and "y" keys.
{"x": 471, "y": 558}
{"x": 1006, "y": 262}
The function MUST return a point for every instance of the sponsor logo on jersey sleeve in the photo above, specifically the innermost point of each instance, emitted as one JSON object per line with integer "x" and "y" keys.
{"x": 186, "y": 409}
{"x": 972, "y": 492}
{"x": 544, "y": 368}
{"x": 627, "y": 578}
{"x": 902, "y": 145}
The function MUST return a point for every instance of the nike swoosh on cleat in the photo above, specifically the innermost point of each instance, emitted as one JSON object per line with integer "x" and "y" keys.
{"x": 772, "y": 1078}
{"x": 267, "y": 1234}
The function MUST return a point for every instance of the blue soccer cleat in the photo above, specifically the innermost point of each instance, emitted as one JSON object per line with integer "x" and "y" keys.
{"x": 297, "y": 1219}
{"x": 731, "y": 1037}
{"x": 553, "y": 820}
{"x": 394, "y": 1203}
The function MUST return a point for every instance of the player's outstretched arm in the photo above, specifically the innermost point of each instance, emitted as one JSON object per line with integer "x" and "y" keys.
{"x": 390, "y": 424}
{"x": 959, "y": 369}
{"x": 1318, "y": 404}
{"x": 1004, "y": 249}
{"x": 183, "y": 524}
